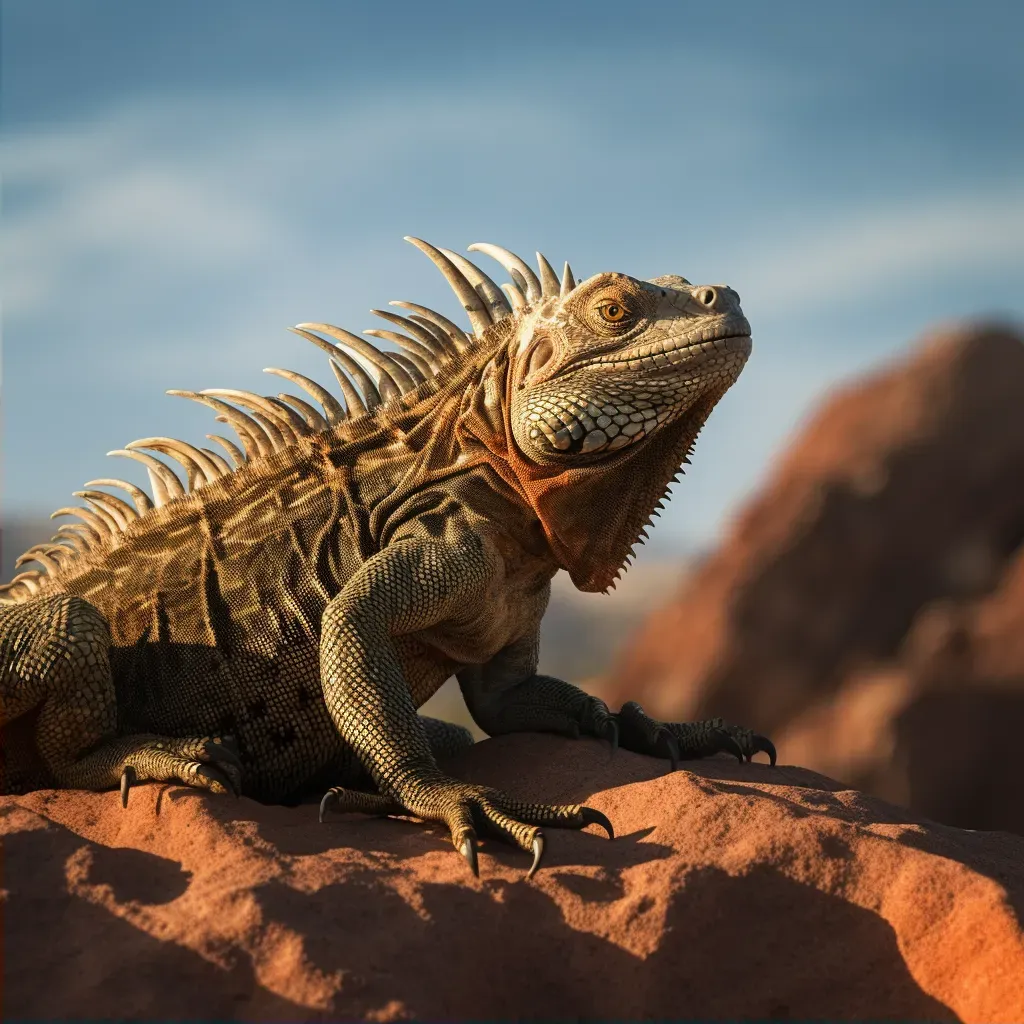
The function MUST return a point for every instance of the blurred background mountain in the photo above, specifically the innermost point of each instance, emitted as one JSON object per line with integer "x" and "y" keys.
{"x": 866, "y": 608}
{"x": 182, "y": 181}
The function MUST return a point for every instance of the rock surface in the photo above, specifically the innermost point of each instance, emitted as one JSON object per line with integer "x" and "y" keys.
{"x": 867, "y": 608}
{"x": 731, "y": 891}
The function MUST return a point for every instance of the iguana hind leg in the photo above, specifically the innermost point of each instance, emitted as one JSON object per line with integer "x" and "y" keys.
{"x": 54, "y": 660}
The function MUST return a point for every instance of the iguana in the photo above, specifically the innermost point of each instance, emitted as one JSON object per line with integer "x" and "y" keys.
{"x": 272, "y": 626}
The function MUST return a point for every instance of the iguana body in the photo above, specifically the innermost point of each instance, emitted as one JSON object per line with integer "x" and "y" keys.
{"x": 276, "y": 627}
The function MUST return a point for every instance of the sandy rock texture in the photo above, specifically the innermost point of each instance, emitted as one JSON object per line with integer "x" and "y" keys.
{"x": 866, "y": 609}
{"x": 730, "y": 891}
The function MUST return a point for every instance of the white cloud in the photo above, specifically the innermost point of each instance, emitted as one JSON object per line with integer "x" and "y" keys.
{"x": 239, "y": 183}
{"x": 221, "y": 191}
{"x": 862, "y": 251}
{"x": 179, "y": 236}
{"x": 226, "y": 203}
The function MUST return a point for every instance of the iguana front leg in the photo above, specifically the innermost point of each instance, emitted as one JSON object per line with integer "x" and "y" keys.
{"x": 416, "y": 586}
{"x": 507, "y": 695}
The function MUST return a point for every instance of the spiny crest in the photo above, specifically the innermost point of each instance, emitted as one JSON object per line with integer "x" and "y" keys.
{"x": 655, "y": 513}
{"x": 368, "y": 378}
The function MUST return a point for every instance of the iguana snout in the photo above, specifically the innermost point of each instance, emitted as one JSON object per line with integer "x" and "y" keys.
{"x": 609, "y": 364}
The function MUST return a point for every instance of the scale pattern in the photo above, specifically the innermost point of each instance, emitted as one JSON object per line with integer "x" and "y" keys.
{"x": 269, "y": 622}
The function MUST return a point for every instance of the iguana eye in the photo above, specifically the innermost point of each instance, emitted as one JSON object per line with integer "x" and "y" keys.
{"x": 613, "y": 312}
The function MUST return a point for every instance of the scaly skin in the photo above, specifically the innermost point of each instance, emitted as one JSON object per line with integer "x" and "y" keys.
{"x": 274, "y": 627}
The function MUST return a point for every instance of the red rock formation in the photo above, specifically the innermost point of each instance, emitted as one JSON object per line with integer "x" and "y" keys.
{"x": 864, "y": 608}
{"x": 731, "y": 891}
{"x": 939, "y": 730}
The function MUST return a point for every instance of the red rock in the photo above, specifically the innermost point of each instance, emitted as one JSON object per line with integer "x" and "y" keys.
{"x": 731, "y": 891}
{"x": 867, "y": 607}
{"x": 938, "y": 731}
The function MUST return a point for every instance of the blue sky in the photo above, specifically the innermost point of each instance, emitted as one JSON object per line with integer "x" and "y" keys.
{"x": 183, "y": 181}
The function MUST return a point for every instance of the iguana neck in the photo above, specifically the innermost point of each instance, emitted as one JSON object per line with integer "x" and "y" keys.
{"x": 593, "y": 515}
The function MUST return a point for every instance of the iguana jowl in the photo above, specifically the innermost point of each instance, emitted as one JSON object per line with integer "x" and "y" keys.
{"x": 274, "y": 626}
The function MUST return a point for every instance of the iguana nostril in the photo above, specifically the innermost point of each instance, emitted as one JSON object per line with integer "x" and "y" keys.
{"x": 707, "y": 296}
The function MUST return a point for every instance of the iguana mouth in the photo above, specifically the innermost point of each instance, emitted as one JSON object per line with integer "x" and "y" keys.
{"x": 672, "y": 354}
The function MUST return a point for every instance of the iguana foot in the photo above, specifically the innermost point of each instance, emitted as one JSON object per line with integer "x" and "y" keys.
{"x": 679, "y": 741}
{"x": 207, "y": 763}
{"x": 545, "y": 704}
{"x": 467, "y": 809}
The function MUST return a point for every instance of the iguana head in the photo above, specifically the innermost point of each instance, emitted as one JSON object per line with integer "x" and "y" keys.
{"x": 617, "y": 361}
{"x": 602, "y": 387}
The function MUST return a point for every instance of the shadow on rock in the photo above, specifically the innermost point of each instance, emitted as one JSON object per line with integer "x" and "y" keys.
{"x": 64, "y": 954}
{"x": 774, "y": 947}
{"x": 803, "y": 942}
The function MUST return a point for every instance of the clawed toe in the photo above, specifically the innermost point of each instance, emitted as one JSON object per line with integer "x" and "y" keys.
{"x": 221, "y": 754}
{"x": 678, "y": 741}
{"x": 645, "y": 735}
{"x": 355, "y": 801}
{"x": 729, "y": 745}
{"x": 666, "y": 745}
{"x": 127, "y": 778}
{"x": 745, "y": 744}
{"x": 217, "y": 780}
{"x": 207, "y": 763}
{"x": 325, "y": 804}
{"x": 741, "y": 743}
{"x": 592, "y": 816}
{"x": 223, "y": 750}
{"x": 468, "y": 850}
{"x": 217, "y": 761}
{"x": 538, "y": 853}
{"x": 764, "y": 745}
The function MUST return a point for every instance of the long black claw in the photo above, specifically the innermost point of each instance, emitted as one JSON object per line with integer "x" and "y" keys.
{"x": 230, "y": 773}
{"x": 538, "y": 852}
{"x": 730, "y": 746}
{"x": 665, "y": 737}
{"x": 329, "y": 798}
{"x": 225, "y": 750}
{"x": 764, "y": 744}
{"x": 468, "y": 850}
{"x": 207, "y": 771}
{"x": 591, "y": 816}
{"x": 127, "y": 778}
{"x": 612, "y": 732}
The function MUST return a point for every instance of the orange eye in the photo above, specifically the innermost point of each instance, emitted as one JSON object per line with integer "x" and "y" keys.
{"x": 613, "y": 312}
